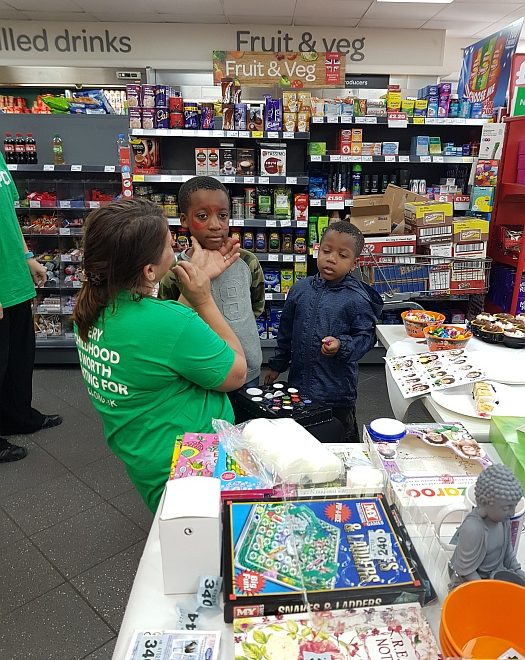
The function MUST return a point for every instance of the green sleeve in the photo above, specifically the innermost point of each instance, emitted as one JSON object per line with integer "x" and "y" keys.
{"x": 257, "y": 285}
{"x": 168, "y": 289}
{"x": 200, "y": 355}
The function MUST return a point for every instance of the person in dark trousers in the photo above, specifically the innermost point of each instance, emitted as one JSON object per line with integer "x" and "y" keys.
{"x": 19, "y": 271}
{"x": 327, "y": 326}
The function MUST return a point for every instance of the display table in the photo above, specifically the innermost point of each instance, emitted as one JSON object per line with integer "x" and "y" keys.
{"x": 148, "y": 606}
{"x": 395, "y": 340}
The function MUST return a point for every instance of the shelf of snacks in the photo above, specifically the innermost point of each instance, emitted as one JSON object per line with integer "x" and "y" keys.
{"x": 411, "y": 121}
{"x": 202, "y": 133}
{"x": 298, "y": 180}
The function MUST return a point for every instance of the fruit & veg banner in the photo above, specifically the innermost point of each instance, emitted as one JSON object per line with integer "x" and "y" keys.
{"x": 288, "y": 70}
{"x": 486, "y": 67}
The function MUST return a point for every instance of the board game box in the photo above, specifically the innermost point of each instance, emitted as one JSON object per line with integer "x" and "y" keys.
{"x": 374, "y": 633}
{"x": 338, "y": 553}
{"x": 276, "y": 401}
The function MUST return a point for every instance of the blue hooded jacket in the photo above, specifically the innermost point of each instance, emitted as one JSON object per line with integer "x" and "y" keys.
{"x": 315, "y": 309}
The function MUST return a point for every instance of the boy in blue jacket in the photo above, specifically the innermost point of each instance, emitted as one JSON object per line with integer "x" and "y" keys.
{"x": 327, "y": 325}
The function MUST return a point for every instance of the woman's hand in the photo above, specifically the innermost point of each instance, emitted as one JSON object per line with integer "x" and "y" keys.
{"x": 215, "y": 262}
{"x": 193, "y": 283}
{"x": 38, "y": 272}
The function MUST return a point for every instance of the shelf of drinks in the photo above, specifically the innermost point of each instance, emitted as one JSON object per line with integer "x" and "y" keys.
{"x": 447, "y": 160}
{"x": 49, "y": 167}
{"x": 513, "y": 192}
{"x": 63, "y": 205}
{"x": 256, "y": 222}
{"x": 296, "y": 180}
{"x": 183, "y": 132}
{"x": 415, "y": 121}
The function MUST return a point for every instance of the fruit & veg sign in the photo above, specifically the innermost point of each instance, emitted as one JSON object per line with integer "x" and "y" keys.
{"x": 288, "y": 70}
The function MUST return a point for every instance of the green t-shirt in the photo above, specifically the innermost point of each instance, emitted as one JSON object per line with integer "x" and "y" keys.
{"x": 150, "y": 367}
{"x": 16, "y": 285}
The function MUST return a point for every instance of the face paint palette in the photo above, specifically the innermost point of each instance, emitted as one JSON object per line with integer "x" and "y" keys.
{"x": 279, "y": 400}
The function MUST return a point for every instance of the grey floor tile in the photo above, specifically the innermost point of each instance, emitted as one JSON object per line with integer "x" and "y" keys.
{"x": 103, "y": 653}
{"x": 78, "y": 441}
{"x": 37, "y": 468}
{"x": 88, "y": 538}
{"x": 50, "y": 503}
{"x": 9, "y": 532}
{"x": 24, "y": 575}
{"x": 107, "y": 476}
{"x": 65, "y": 383}
{"x": 132, "y": 505}
{"x": 59, "y": 624}
{"x": 106, "y": 587}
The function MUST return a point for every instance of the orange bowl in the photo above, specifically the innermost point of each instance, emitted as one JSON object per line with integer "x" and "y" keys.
{"x": 418, "y": 319}
{"x": 487, "y": 611}
{"x": 446, "y": 343}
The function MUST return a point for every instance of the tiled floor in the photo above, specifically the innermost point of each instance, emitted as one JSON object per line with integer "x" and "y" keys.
{"x": 72, "y": 528}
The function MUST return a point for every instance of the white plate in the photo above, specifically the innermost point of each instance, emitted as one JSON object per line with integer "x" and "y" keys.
{"x": 459, "y": 400}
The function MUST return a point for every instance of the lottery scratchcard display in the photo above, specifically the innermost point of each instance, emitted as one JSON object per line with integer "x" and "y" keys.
{"x": 174, "y": 645}
{"x": 426, "y": 372}
{"x": 331, "y": 553}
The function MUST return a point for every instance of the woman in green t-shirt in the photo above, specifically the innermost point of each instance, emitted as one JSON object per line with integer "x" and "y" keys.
{"x": 153, "y": 369}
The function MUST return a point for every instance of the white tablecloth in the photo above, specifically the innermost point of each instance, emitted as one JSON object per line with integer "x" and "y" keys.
{"x": 510, "y": 363}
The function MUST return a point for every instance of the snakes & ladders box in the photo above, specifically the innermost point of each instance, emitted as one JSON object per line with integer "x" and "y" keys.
{"x": 337, "y": 553}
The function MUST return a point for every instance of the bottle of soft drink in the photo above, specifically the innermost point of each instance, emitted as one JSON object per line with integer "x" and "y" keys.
{"x": 58, "y": 150}
{"x": 9, "y": 149}
{"x": 32, "y": 156}
{"x": 20, "y": 149}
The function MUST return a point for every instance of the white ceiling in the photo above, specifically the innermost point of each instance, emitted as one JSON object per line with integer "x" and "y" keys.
{"x": 462, "y": 18}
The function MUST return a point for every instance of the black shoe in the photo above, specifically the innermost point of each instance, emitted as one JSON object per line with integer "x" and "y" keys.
{"x": 10, "y": 452}
{"x": 50, "y": 421}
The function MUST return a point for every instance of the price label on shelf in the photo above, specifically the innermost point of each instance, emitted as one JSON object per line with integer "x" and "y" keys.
{"x": 292, "y": 180}
{"x": 288, "y": 135}
{"x": 360, "y": 120}
{"x": 397, "y": 120}
{"x": 273, "y": 257}
{"x": 257, "y": 134}
{"x": 287, "y": 223}
{"x": 271, "y": 223}
{"x": 287, "y": 257}
{"x": 229, "y": 179}
{"x": 166, "y": 178}
{"x": 335, "y": 158}
{"x": 390, "y": 159}
{"x": 249, "y": 179}
{"x": 346, "y": 159}
{"x": 300, "y": 257}
{"x": 244, "y": 134}
{"x": 76, "y": 168}
{"x": 237, "y": 223}
{"x": 233, "y": 134}
{"x": 425, "y": 159}
{"x": 64, "y": 231}
{"x": 366, "y": 159}
{"x": 404, "y": 159}
{"x": 217, "y": 133}
{"x": 418, "y": 120}
{"x": 65, "y": 204}
{"x": 138, "y": 178}
{"x": 370, "y": 120}
{"x": 264, "y": 179}
{"x": 315, "y": 202}
{"x": 430, "y": 121}
{"x": 273, "y": 134}
{"x": 335, "y": 201}
{"x": 332, "y": 120}
{"x": 93, "y": 205}
{"x": 268, "y": 296}
{"x": 109, "y": 168}
{"x": 302, "y": 224}
{"x": 77, "y": 284}
{"x": 12, "y": 167}
{"x": 317, "y": 120}
{"x": 49, "y": 168}
{"x": 438, "y": 159}
{"x": 315, "y": 158}
{"x": 34, "y": 204}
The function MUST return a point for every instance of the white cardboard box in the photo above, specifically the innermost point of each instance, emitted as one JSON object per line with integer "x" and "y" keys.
{"x": 190, "y": 534}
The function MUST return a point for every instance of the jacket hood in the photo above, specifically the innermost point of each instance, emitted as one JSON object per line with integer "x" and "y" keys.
{"x": 361, "y": 288}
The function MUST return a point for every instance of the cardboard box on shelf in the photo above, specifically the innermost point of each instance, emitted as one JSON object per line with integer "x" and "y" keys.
{"x": 482, "y": 198}
{"x": 430, "y": 221}
{"x": 444, "y": 250}
{"x": 371, "y": 215}
{"x": 470, "y": 237}
{"x": 468, "y": 275}
{"x": 388, "y": 249}
{"x": 491, "y": 144}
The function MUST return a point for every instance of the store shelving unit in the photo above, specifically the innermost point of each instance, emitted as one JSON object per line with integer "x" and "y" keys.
{"x": 509, "y": 211}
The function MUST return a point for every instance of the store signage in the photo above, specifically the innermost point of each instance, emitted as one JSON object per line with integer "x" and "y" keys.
{"x": 284, "y": 42}
{"x": 353, "y": 81}
{"x": 486, "y": 67}
{"x": 517, "y": 86}
{"x": 288, "y": 70}
{"x": 66, "y": 41}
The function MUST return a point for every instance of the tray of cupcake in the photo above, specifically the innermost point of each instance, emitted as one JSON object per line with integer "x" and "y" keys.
{"x": 505, "y": 329}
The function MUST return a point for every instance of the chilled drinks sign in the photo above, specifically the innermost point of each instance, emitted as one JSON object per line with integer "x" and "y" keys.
{"x": 288, "y": 70}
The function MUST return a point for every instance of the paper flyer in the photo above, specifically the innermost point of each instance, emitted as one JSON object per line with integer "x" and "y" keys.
{"x": 174, "y": 645}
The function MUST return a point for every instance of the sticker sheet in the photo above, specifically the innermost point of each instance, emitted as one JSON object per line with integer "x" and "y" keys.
{"x": 424, "y": 373}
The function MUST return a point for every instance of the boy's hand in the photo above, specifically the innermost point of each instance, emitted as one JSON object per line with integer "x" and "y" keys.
{"x": 215, "y": 262}
{"x": 330, "y": 346}
{"x": 193, "y": 283}
{"x": 271, "y": 377}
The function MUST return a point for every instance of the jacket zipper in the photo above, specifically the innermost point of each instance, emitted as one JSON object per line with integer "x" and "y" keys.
{"x": 313, "y": 315}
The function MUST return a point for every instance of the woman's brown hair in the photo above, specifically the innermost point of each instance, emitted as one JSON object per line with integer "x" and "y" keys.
{"x": 119, "y": 240}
